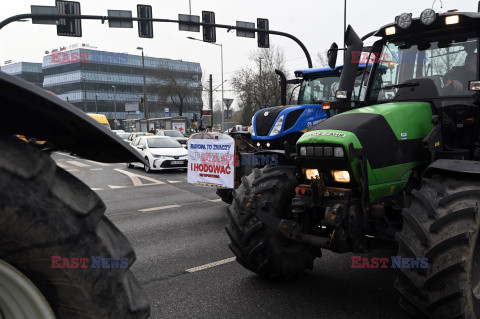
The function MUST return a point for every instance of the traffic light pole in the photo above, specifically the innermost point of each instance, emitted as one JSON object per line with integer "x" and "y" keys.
{"x": 144, "y": 87}
{"x": 111, "y": 18}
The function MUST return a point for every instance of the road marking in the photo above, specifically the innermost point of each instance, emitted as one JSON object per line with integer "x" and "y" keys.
{"x": 72, "y": 170}
{"x": 173, "y": 182}
{"x": 136, "y": 178}
{"x": 96, "y": 169}
{"x": 97, "y": 189}
{"x": 79, "y": 164}
{"x": 216, "y": 200}
{"x": 210, "y": 265}
{"x": 158, "y": 208}
{"x": 115, "y": 187}
{"x": 99, "y": 163}
{"x": 62, "y": 165}
{"x": 60, "y": 153}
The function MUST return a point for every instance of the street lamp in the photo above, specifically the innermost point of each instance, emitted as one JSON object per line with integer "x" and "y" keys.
{"x": 84, "y": 93}
{"x": 144, "y": 86}
{"x": 221, "y": 60}
{"x": 115, "y": 105}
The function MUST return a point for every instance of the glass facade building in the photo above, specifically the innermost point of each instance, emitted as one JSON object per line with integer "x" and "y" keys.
{"x": 107, "y": 79}
{"x": 29, "y": 71}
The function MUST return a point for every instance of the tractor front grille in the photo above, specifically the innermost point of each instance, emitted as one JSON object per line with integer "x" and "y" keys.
{"x": 263, "y": 123}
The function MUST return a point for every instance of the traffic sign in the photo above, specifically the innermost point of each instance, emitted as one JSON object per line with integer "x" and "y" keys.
{"x": 137, "y": 112}
{"x": 228, "y": 103}
{"x": 167, "y": 110}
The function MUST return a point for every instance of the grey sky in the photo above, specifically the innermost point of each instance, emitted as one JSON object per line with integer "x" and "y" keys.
{"x": 316, "y": 23}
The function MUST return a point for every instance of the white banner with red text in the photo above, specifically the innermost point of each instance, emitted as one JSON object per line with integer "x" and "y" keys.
{"x": 211, "y": 163}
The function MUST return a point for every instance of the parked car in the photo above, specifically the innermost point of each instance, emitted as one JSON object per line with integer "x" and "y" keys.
{"x": 124, "y": 136}
{"x": 177, "y": 135}
{"x": 133, "y": 135}
{"x": 160, "y": 153}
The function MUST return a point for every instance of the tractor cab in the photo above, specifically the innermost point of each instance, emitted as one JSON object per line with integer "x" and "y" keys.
{"x": 272, "y": 126}
{"x": 434, "y": 59}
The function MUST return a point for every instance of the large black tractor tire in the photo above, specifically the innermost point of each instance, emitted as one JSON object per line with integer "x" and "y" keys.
{"x": 225, "y": 194}
{"x": 46, "y": 212}
{"x": 257, "y": 247}
{"x": 442, "y": 224}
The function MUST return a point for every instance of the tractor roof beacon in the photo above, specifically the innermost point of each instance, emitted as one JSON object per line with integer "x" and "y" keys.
{"x": 401, "y": 169}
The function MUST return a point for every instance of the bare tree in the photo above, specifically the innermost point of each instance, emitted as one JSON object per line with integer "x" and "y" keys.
{"x": 174, "y": 87}
{"x": 322, "y": 59}
{"x": 255, "y": 92}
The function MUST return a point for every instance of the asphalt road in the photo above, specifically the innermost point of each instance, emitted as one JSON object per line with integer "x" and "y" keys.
{"x": 187, "y": 270}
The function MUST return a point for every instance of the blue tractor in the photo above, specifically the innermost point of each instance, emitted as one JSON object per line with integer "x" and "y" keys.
{"x": 275, "y": 130}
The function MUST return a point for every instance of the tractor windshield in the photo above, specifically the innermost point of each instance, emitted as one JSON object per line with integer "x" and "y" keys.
{"x": 449, "y": 64}
{"x": 318, "y": 90}
{"x": 322, "y": 89}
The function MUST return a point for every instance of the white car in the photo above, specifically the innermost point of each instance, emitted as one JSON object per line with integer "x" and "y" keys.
{"x": 160, "y": 153}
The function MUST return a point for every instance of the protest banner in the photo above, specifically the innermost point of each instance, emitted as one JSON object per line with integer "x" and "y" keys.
{"x": 211, "y": 163}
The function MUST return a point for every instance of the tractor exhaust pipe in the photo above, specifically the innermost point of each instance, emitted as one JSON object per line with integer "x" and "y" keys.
{"x": 283, "y": 86}
{"x": 354, "y": 45}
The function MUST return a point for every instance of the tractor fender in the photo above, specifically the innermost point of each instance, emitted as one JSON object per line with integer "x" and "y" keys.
{"x": 453, "y": 166}
{"x": 31, "y": 111}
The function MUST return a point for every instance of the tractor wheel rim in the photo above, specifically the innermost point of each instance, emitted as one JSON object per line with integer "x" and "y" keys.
{"x": 475, "y": 270}
{"x": 19, "y": 297}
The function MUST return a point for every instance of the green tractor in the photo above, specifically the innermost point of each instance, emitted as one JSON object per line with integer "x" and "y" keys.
{"x": 399, "y": 169}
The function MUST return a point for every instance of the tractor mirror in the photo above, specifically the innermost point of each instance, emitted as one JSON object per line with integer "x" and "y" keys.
{"x": 332, "y": 55}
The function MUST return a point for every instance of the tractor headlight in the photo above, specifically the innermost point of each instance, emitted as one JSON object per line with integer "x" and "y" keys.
{"x": 338, "y": 152}
{"x": 404, "y": 20}
{"x": 428, "y": 16}
{"x": 303, "y": 151}
{"x": 341, "y": 94}
{"x": 277, "y": 127}
{"x": 341, "y": 176}
{"x": 451, "y": 19}
{"x": 390, "y": 30}
{"x": 312, "y": 174}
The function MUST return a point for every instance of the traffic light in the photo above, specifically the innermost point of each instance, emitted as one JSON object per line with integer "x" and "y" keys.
{"x": 141, "y": 104}
{"x": 145, "y": 28}
{"x": 69, "y": 27}
{"x": 209, "y": 32}
{"x": 263, "y": 37}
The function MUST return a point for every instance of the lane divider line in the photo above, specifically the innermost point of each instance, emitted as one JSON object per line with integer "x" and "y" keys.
{"x": 62, "y": 165}
{"x": 77, "y": 163}
{"x": 115, "y": 187}
{"x": 99, "y": 163}
{"x": 97, "y": 189}
{"x": 210, "y": 265}
{"x": 158, "y": 208}
{"x": 173, "y": 182}
{"x": 64, "y": 154}
{"x": 216, "y": 200}
{"x": 96, "y": 169}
